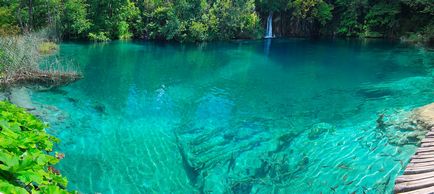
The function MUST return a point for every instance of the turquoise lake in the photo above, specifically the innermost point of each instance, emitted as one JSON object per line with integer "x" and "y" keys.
{"x": 266, "y": 116}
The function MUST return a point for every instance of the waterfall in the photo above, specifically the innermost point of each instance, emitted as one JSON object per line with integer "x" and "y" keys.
{"x": 269, "y": 32}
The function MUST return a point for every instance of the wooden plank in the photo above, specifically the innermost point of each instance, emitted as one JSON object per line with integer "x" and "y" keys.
{"x": 425, "y": 150}
{"x": 413, "y": 177}
{"x": 422, "y": 156}
{"x": 414, "y": 185}
{"x": 428, "y": 140}
{"x": 418, "y": 175}
{"x": 420, "y": 191}
{"x": 421, "y": 160}
{"x": 412, "y": 165}
{"x": 419, "y": 170}
{"x": 427, "y": 144}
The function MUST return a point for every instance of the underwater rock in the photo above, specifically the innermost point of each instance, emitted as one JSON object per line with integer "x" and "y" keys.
{"x": 100, "y": 108}
{"x": 21, "y": 98}
{"x": 424, "y": 116}
{"x": 284, "y": 141}
{"x": 319, "y": 129}
{"x": 406, "y": 127}
{"x": 404, "y": 138}
{"x": 374, "y": 93}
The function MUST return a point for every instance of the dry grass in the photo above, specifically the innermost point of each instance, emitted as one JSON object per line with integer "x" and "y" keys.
{"x": 20, "y": 61}
{"x": 47, "y": 48}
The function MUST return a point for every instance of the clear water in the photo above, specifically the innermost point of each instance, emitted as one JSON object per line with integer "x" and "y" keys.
{"x": 236, "y": 116}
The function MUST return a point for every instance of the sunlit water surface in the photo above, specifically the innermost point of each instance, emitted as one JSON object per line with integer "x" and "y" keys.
{"x": 275, "y": 116}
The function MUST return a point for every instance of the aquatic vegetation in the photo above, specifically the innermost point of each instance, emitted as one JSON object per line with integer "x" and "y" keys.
{"x": 25, "y": 163}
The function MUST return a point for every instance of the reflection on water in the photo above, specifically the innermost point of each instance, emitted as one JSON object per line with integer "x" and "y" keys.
{"x": 234, "y": 117}
{"x": 267, "y": 46}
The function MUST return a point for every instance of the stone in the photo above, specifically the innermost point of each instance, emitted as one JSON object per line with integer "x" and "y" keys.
{"x": 21, "y": 98}
{"x": 424, "y": 116}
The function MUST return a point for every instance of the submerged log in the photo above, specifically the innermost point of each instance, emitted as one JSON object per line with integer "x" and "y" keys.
{"x": 44, "y": 78}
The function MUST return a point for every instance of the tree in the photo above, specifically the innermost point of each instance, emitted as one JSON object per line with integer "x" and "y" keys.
{"x": 74, "y": 22}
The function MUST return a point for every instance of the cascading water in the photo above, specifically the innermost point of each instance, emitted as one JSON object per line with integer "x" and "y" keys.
{"x": 269, "y": 32}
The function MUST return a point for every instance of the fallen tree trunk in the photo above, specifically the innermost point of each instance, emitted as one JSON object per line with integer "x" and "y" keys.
{"x": 45, "y": 78}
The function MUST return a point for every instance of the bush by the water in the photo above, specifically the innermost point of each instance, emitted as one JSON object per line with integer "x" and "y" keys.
{"x": 99, "y": 37}
{"x": 25, "y": 163}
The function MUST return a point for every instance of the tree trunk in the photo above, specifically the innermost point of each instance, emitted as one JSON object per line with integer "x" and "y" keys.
{"x": 20, "y": 21}
{"x": 30, "y": 15}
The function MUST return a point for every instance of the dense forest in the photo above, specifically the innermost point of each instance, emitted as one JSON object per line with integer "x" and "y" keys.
{"x": 201, "y": 20}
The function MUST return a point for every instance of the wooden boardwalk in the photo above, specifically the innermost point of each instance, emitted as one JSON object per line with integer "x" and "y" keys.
{"x": 418, "y": 176}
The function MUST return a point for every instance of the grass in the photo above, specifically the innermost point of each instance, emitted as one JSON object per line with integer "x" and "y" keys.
{"x": 47, "y": 47}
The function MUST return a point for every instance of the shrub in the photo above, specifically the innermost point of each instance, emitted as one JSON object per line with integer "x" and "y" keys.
{"x": 123, "y": 31}
{"x": 25, "y": 166}
{"x": 198, "y": 31}
{"x": 99, "y": 37}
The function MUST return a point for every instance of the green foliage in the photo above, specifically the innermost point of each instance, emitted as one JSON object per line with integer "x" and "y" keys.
{"x": 74, "y": 20}
{"x": 272, "y": 5}
{"x": 129, "y": 21}
{"x": 198, "y": 31}
{"x": 8, "y": 24}
{"x": 312, "y": 10}
{"x": 123, "y": 31}
{"x": 99, "y": 36}
{"x": 350, "y": 19}
{"x": 163, "y": 24}
{"x": 24, "y": 165}
{"x": 382, "y": 17}
{"x": 203, "y": 20}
